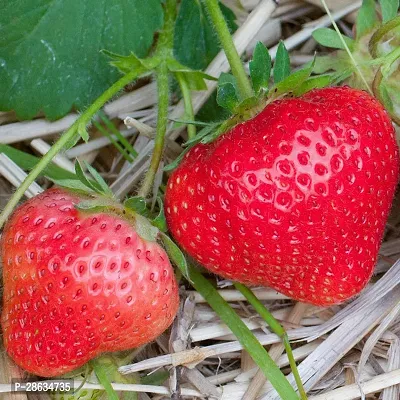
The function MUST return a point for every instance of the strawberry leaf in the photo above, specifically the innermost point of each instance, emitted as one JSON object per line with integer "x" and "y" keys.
{"x": 330, "y": 38}
{"x": 366, "y": 18}
{"x": 282, "y": 63}
{"x": 260, "y": 68}
{"x": 389, "y": 9}
{"x": 194, "y": 39}
{"x": 227, "y": 92}
{"x": 60, "y": 41}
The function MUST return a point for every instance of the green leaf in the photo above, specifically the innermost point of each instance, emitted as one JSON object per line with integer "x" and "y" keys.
{"x": 389, "y": 9}
{"x": 232, "y": 320}
{"x": 282, "y": 63}
{"x": 330, "y": 38}
{"x": 27, "y": 162}
{"x": 294, "y": 80}
{"x": 366, "y": 18}
{"x": 160, "y": 221}
{"x": 136, "y": 204}
{"x": 227, "y": 93}
{"x": 260, "y": 67}
{"x": 195, "y": 44}
{"x": 99, "y": 179}
{"x": 50, "y": 50}
{"x": 128, "y": 63}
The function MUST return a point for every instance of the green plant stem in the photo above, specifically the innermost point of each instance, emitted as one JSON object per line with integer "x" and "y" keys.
{"x": 276, "y": 328}
{"x": 164, "y": 52}
{"x": 228, "y": 45}
{"x": 187, "y": 99}
{"x": 66, "y": 138}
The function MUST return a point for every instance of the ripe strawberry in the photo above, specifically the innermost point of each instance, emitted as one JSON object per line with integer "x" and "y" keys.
{"x": 295, "y": 199}
{"x": 77, "y": 285}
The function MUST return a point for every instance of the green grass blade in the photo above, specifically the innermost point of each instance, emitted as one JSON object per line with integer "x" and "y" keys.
{"x": 233, "y": 321}
{"x": 122, "y": 139}
{"x": 276, "y": 328}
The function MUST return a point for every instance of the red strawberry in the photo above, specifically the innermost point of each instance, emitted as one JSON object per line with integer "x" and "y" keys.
{"x": 77, "y": 285}
{"x": 296, "y": 198}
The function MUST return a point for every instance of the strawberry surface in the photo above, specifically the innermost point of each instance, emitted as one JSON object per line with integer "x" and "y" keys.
{"x": 77, "y": 285}
{"x": 295, "y": 199}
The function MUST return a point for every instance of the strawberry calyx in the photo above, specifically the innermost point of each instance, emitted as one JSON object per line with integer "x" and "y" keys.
{"x": 370, "y": 60}
{"x": 98, "y": 197}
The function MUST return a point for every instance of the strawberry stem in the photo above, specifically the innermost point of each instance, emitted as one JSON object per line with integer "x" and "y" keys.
{"x": 187, "y": 99}
{"x": 228, "y": 45}
{"x": 66, "y": 138}
{"x": 164, "y": 52}
{"x": 276, "y": 328}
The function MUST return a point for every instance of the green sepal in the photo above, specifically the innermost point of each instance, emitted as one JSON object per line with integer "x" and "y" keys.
{"x": 73, "y": 184}
{"x": 136, "y": 204}
{"x": 105, "y": 190}
{"x": 175, "y": 254}
{"x": 94, "y": 186}
{"x": 176, "y": 162}
{"x": 313, "y": 82}
{"x": 294, "y": 80}
{"x": 282, "y": 63}
{"x": 260, "y": 68}
{"x": 159, "y": 221}
{"x": 128, "y": 63}
{"x": 202, "y": 133}
{"x": 330, "y": 38}
{"x": 95, "y": 204}
{"x": 227, "y": 92}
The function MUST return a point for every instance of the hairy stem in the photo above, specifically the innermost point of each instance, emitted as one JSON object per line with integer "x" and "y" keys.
{"x": 66, "y": 138}
{"x": 276, "y": 328}
{"x": 163, "y": 51}
{"x": 232, "y": 55}
{"x": 187, "y": 99}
